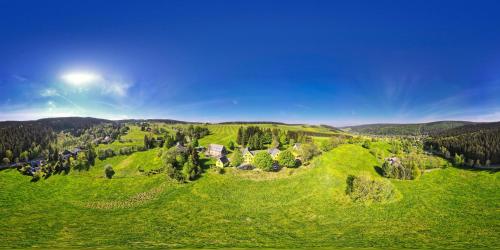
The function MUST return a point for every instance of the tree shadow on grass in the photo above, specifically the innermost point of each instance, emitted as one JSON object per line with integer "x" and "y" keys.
{"x": 379, "y": 170}
{"x": 475, "y": 169}
{"x": 204, "y": 164}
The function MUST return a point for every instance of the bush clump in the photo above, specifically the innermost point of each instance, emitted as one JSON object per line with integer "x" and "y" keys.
{"x": 263, "y": 161}
{"x": 364, "y": 189}
{"x": 108, "y": 171}
{"x": 406, "y": 169}
{"x": 236, "y": 158}
{"x": 287, "y": 159}
{"x": 181, "y": 165}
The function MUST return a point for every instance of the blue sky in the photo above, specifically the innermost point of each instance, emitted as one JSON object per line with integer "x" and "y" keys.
{"x": 339, "y": 63}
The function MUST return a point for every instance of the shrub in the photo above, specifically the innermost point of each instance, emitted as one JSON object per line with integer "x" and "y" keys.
{"x": 126, "y": 151}
{"x": 108, "y": 171}
{"x": 406, "y": 170}
{"x": 37, "y": 175}
{"x": 366, "y": 190}
{"x": 308, "y": 151}
{"x": 326, "y": 145}
{"x": 236, "y": 158}
{"x": 105, "y": 153}
{"x": 230, "y": 145}
{"x": 25, "y": 169}
{"x": 173, "y": 173}
{"x": 263, "y": 161}
{"x": 190, "y": 170}
{"x": 181, "y": 165}
{"x": 286, "y": 159}
{"x": 470, "y": 163}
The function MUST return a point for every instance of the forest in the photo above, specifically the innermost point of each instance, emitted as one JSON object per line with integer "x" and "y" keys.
{"x": 478, "y": 143}
{"x": 255, "y": 137}
{"x": 417, "y": 129}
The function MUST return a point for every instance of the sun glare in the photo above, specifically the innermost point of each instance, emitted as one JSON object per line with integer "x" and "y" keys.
{"x": 80, "y": 78}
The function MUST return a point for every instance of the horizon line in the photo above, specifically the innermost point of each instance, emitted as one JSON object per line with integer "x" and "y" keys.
{"x": 254, "y": 121}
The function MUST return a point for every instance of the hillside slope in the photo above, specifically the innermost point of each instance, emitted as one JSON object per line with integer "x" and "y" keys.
{"x": 405, "y": 129}
{"x": 306, "y": 208}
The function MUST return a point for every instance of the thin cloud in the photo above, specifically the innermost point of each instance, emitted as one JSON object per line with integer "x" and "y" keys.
{"x": 115, "y": 88}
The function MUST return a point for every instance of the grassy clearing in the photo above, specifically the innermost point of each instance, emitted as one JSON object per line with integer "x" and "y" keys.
{"x": 450, "y": 208}
{"x": 135, "y": 137}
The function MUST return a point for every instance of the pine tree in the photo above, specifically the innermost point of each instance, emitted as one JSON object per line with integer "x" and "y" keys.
{"x": 239, "y": 137}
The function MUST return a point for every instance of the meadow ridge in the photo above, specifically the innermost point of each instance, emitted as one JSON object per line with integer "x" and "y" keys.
{"x": 293, "y": 208}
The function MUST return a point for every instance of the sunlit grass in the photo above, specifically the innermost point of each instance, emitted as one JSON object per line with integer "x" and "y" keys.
{"x": 449, "y": 208}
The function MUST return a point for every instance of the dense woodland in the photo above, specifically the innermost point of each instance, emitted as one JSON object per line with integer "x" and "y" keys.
{"x": 478, "y": 143}
{"x": 417, "y": 129}
{"x": 36, "y": 139}
{"x": 47, "y": 138}
{"x": 256, "y": 138}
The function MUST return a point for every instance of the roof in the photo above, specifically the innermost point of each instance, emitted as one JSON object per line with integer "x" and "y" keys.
{"x": 253, "y": 152}
{"x": 37, "y": 162}
{"x": 223, "y": 159}
{"x": 245, "y": 150}
{"x": 216, "y": 147}
{"x": 273, "y": 151}
{"x": 76, "y": 150}
{"x": 245, "y": 167}
{"x": 180, "y": 147}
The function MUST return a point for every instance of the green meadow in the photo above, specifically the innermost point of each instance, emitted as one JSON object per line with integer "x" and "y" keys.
{"x": 294, "y": 208}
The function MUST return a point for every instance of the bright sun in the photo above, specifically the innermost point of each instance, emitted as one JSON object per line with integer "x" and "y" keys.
{"x": 80, "y": 78}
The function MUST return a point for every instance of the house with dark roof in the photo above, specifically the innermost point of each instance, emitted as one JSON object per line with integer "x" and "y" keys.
{"x": 76, "y": 151}
{"x": 181, "y": 147}
{"x": 216, "y": 150}
{"x": 36, "y": 165}
{"x": 222, "y": 162}
{"x": 71, "y": 153}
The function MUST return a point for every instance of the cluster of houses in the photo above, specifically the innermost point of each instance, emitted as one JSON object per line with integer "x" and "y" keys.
{"x": 66, "y": 154}
{"x": 36, "y": 164}
{"x": 219, "y": 152}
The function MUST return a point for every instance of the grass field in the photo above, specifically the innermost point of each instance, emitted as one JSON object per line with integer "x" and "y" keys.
{"x": 447, "y": 208}
{"x": 134, "y": 137}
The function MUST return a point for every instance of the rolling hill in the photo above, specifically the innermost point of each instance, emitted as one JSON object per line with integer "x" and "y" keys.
{"x": 477, "y": 142}
{"x": 294, "y": 208}
{"x": 414, "y": 129}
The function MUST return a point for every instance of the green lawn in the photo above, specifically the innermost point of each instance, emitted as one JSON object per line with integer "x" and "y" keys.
{"x": 134, "y": 137}
{"x": 447, "y": 208}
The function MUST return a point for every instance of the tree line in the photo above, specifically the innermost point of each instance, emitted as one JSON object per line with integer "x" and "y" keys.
{"x": 256, "y": 138}
{"x": 479, "y": 143}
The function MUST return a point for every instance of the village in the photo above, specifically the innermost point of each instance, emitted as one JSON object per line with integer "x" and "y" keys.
{"x": 219, "y": 153}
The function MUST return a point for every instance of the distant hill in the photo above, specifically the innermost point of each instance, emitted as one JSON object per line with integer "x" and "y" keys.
{"x": 260, "y": 122}
{"x": 406, "y": 129}
{"x": 328, "y": 127}
{"x": 331, "y": 128}
{"x": 167, "y": 121}
{"x": 477, "y": 141}
{"x": 58, "y": 124}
